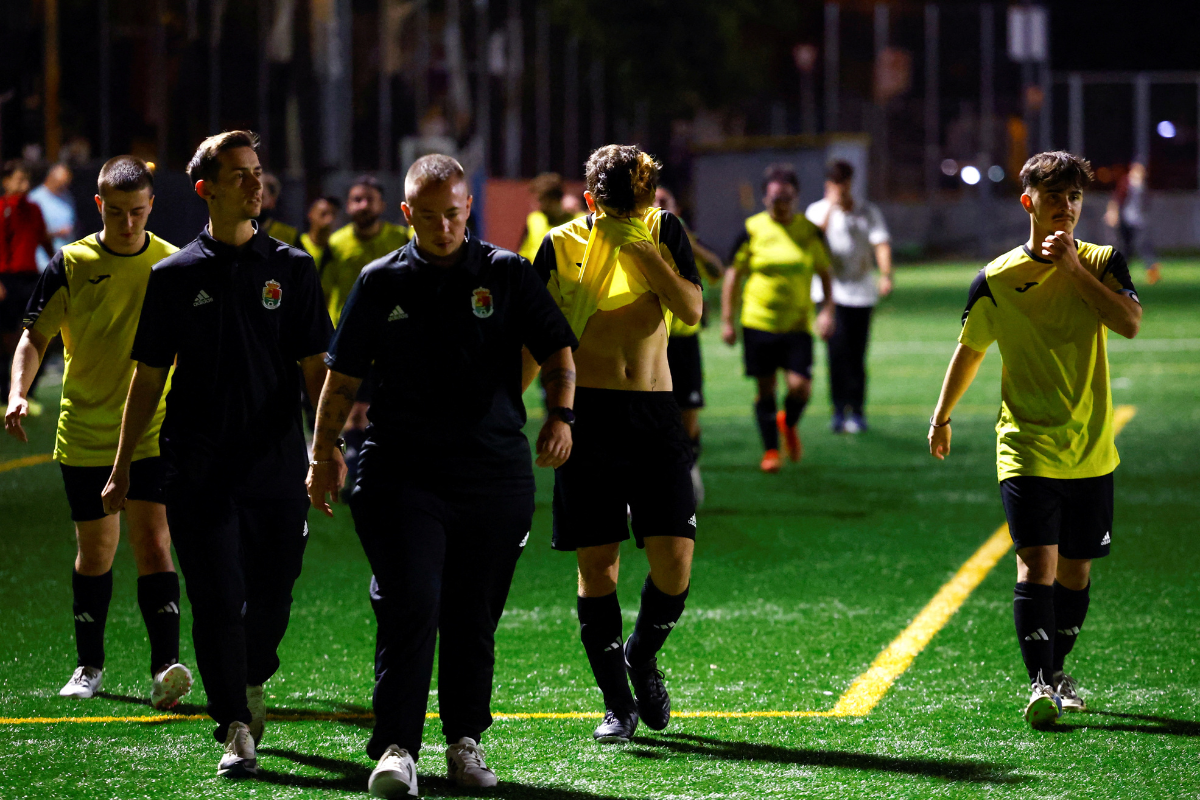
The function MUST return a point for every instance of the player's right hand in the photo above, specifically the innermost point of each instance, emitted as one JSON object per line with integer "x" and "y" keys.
{"x": 18, "y": 408}
{"x": 728, "y": 333}
{"x": 113, "y": 496}
{"x": 939, "y": 442}
{"x": 325, "y": 478}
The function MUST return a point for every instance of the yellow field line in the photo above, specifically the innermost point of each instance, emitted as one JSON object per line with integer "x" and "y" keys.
{"x": 870, "y": 687}
{"x": 27, "y": 461}
{"x": 858, "y": 701}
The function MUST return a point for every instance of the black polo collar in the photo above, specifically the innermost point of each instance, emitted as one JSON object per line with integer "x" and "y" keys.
{"x": 259, "y": 245}
{"x": 471, "y": 260}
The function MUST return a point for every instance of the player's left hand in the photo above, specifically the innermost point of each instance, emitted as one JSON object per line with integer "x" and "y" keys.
{"x": 1060, "y": 248}
{"x": 326, "y": 478}
{"x": 885, "y": 285}
{"x": 18, "y": 408}
{"x": 826, "y": 323}
{"x": 554, "y": 443}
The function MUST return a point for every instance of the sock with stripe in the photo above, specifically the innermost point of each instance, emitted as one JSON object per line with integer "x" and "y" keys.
{"x": 158, "y": 598}
{"x": 793, "y": 409}
{"x": 656, "y": 619}
{"x": 1070, "y": 609}
{"x": 764, "y": 414}
{"x": 600, "y": 630}
{"x": 92, "y": 594}
{"x": 1033, "y": 613}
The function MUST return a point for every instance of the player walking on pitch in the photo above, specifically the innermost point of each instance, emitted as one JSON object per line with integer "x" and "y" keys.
{"x": 620, "y": 274}
{"x": 777, "y": 255}
{"x": 1049, "y": 305}
{"x": 241, "y": 316}
{"x": 444, "y": 500}
{"x": 92, "y": 291}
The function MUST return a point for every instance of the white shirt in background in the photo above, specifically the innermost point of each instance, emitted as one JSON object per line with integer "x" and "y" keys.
{"x": 852, "y": 236}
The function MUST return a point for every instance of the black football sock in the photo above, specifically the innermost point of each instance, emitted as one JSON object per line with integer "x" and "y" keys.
{"x": 793, "y": 409}
{"x": 656, "y": 619}
{"x": 764, "y": 413}
{"x": 1070, "y": 608}
{"x": 92, "y": 594}
{"x": 1033, "y": 613}
{"x": 158, "y": 597}
{"x": 600, "y": 630}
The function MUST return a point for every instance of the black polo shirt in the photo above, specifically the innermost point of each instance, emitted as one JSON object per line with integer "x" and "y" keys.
{"x": 445, "y": 344}
{"x": 237, "y": 319}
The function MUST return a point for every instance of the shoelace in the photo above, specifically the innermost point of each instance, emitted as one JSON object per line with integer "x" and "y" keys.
{"x": 79, "y": 678}
{"x": 471, "y": 755}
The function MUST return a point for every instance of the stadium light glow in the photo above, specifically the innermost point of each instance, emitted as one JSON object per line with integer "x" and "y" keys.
{"x": 949, "y": 166}
{"x": 995, "y": 173}
{"x": 970, "y": 175}
{"x": 1166, "y": 129}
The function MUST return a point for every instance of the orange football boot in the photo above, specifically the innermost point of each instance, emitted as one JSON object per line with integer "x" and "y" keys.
{"x": 771, "y": 462}
{"x": 791, "y": 438}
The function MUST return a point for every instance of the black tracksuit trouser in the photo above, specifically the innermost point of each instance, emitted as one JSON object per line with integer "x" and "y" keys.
{"x": 240, "y": 558}
{"x": 442, "y": 563}
{"x": 848, "y": 357}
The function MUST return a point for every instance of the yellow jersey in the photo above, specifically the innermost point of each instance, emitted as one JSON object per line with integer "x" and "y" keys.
{"x": 281, "y": 231}
{"x": 1056, "y": 417}
{"x": 781, "y": 260}
{"x": 94, "y": 297}
{"x": 537, "y": 225}
{"x": 348, "y": 255}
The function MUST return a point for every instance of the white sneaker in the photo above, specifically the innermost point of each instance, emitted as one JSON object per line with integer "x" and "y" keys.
{"x": 239, "y": 759}
{"x": 258, "y": 711}
{"x": 84, "y": 683}
{"x": 395, "y": 776}
{"x": 1044, "y": 707}
{"x": 1067, "y": 689}
{"x": 465, "y": 765}
{"x": 169, "y": 685}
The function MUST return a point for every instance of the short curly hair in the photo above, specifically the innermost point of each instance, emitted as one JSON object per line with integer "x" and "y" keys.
{"x": 621, "y": 177}
{"x": 1056, "y": 169}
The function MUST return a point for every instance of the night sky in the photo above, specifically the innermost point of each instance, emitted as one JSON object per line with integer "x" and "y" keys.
{"x": 1125, "y": 34}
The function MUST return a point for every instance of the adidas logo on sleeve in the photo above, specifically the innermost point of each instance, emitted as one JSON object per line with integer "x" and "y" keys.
{"x": 202, "y": 298}
{"x": 397, "y": 313}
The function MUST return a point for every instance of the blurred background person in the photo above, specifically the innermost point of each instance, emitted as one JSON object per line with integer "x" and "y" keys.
{"x": 266, "y": 219}
{"x": 1126, "y": 215}
{"x": 22, "y": 232}
{"x": 57, "y": 205}
{"x": 547, "y": 190}
{"x": 321, "y": 216}
{"x": 854, "y": 233}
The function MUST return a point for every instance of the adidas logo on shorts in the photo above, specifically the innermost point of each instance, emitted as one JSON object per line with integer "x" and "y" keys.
{"x": 692, "y": 521}
{"x": 397, "y": 313}
{"x": 1107, "y": 538}
{"x": 202, "y": 298}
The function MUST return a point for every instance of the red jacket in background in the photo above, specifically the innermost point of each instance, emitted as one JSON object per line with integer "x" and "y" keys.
{"x": 22, "y": 232}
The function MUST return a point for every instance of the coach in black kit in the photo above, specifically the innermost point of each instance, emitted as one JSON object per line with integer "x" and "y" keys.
{"x": 241, "y": 317}
{"x": 444, "y": 499}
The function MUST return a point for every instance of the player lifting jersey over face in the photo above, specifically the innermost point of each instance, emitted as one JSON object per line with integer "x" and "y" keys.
{"x": 620, "y": 274}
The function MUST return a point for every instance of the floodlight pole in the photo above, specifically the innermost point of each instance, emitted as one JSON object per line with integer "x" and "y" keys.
{"x": 1141, "y": 119}
{"x": 514, "y": 61}
{"x": 1075, "y": 106}
{"x": 987, "y": 92}
{"x": 832, "y": 58}
{"x": 932, "y": 111}
{"x": 483, "y": 77}
{"x": 571, "y": 107}
{"x": 542, "y": 86}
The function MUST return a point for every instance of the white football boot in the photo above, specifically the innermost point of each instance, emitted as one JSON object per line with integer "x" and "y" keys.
{"x": 84, "y": 683}
{"x": 1067, "y": 689}
{"x": 239, "y": 759}
{"x": 169, "y": 685}
{"x": 466, "y": 767}
{"x": 395, "y": 775}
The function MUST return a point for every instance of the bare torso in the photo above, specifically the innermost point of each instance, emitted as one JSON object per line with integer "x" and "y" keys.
{"x": 625, "y": 349}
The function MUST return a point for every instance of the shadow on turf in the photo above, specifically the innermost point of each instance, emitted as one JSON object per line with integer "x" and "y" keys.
{"x": 1171, "y": 727}
{"x": 964, "y": 771}
{"x": 350, "y": 776}
{"x": 361, "y": 716}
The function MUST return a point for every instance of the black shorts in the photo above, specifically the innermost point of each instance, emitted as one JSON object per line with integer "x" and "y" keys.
{"x": 687, "y": 371}
{"x": 84, "y": 485}
{"x": 631, "y": 456}
{"x": 766, "y": 352}
{"x": 1074, "y": 513}
{"x": 18, "y": 287}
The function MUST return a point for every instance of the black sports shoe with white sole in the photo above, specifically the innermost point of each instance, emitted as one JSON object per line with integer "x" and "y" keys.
{"x": 650, "y": 693}
{"x": 617, "y": 728}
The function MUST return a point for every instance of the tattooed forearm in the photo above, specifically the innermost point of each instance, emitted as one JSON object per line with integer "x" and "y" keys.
{"x": 337, "y": 398}
{"x": 558, "y": 376}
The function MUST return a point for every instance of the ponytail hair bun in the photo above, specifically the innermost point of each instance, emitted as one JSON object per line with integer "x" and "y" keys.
{"x": 622, "y": 177}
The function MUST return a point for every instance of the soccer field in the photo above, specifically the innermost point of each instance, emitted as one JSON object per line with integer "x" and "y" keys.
{"x": 801, "y": 581}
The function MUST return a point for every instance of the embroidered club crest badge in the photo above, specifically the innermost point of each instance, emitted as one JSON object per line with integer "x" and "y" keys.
{"x": 271, "y": 295}
{"x": 481, "y": 302}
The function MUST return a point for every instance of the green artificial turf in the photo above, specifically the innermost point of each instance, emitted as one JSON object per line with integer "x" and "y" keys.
{"x": 800, "y": 580}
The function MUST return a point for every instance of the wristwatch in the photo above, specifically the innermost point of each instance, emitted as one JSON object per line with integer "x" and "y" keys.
{"x": 565, "y": 414}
